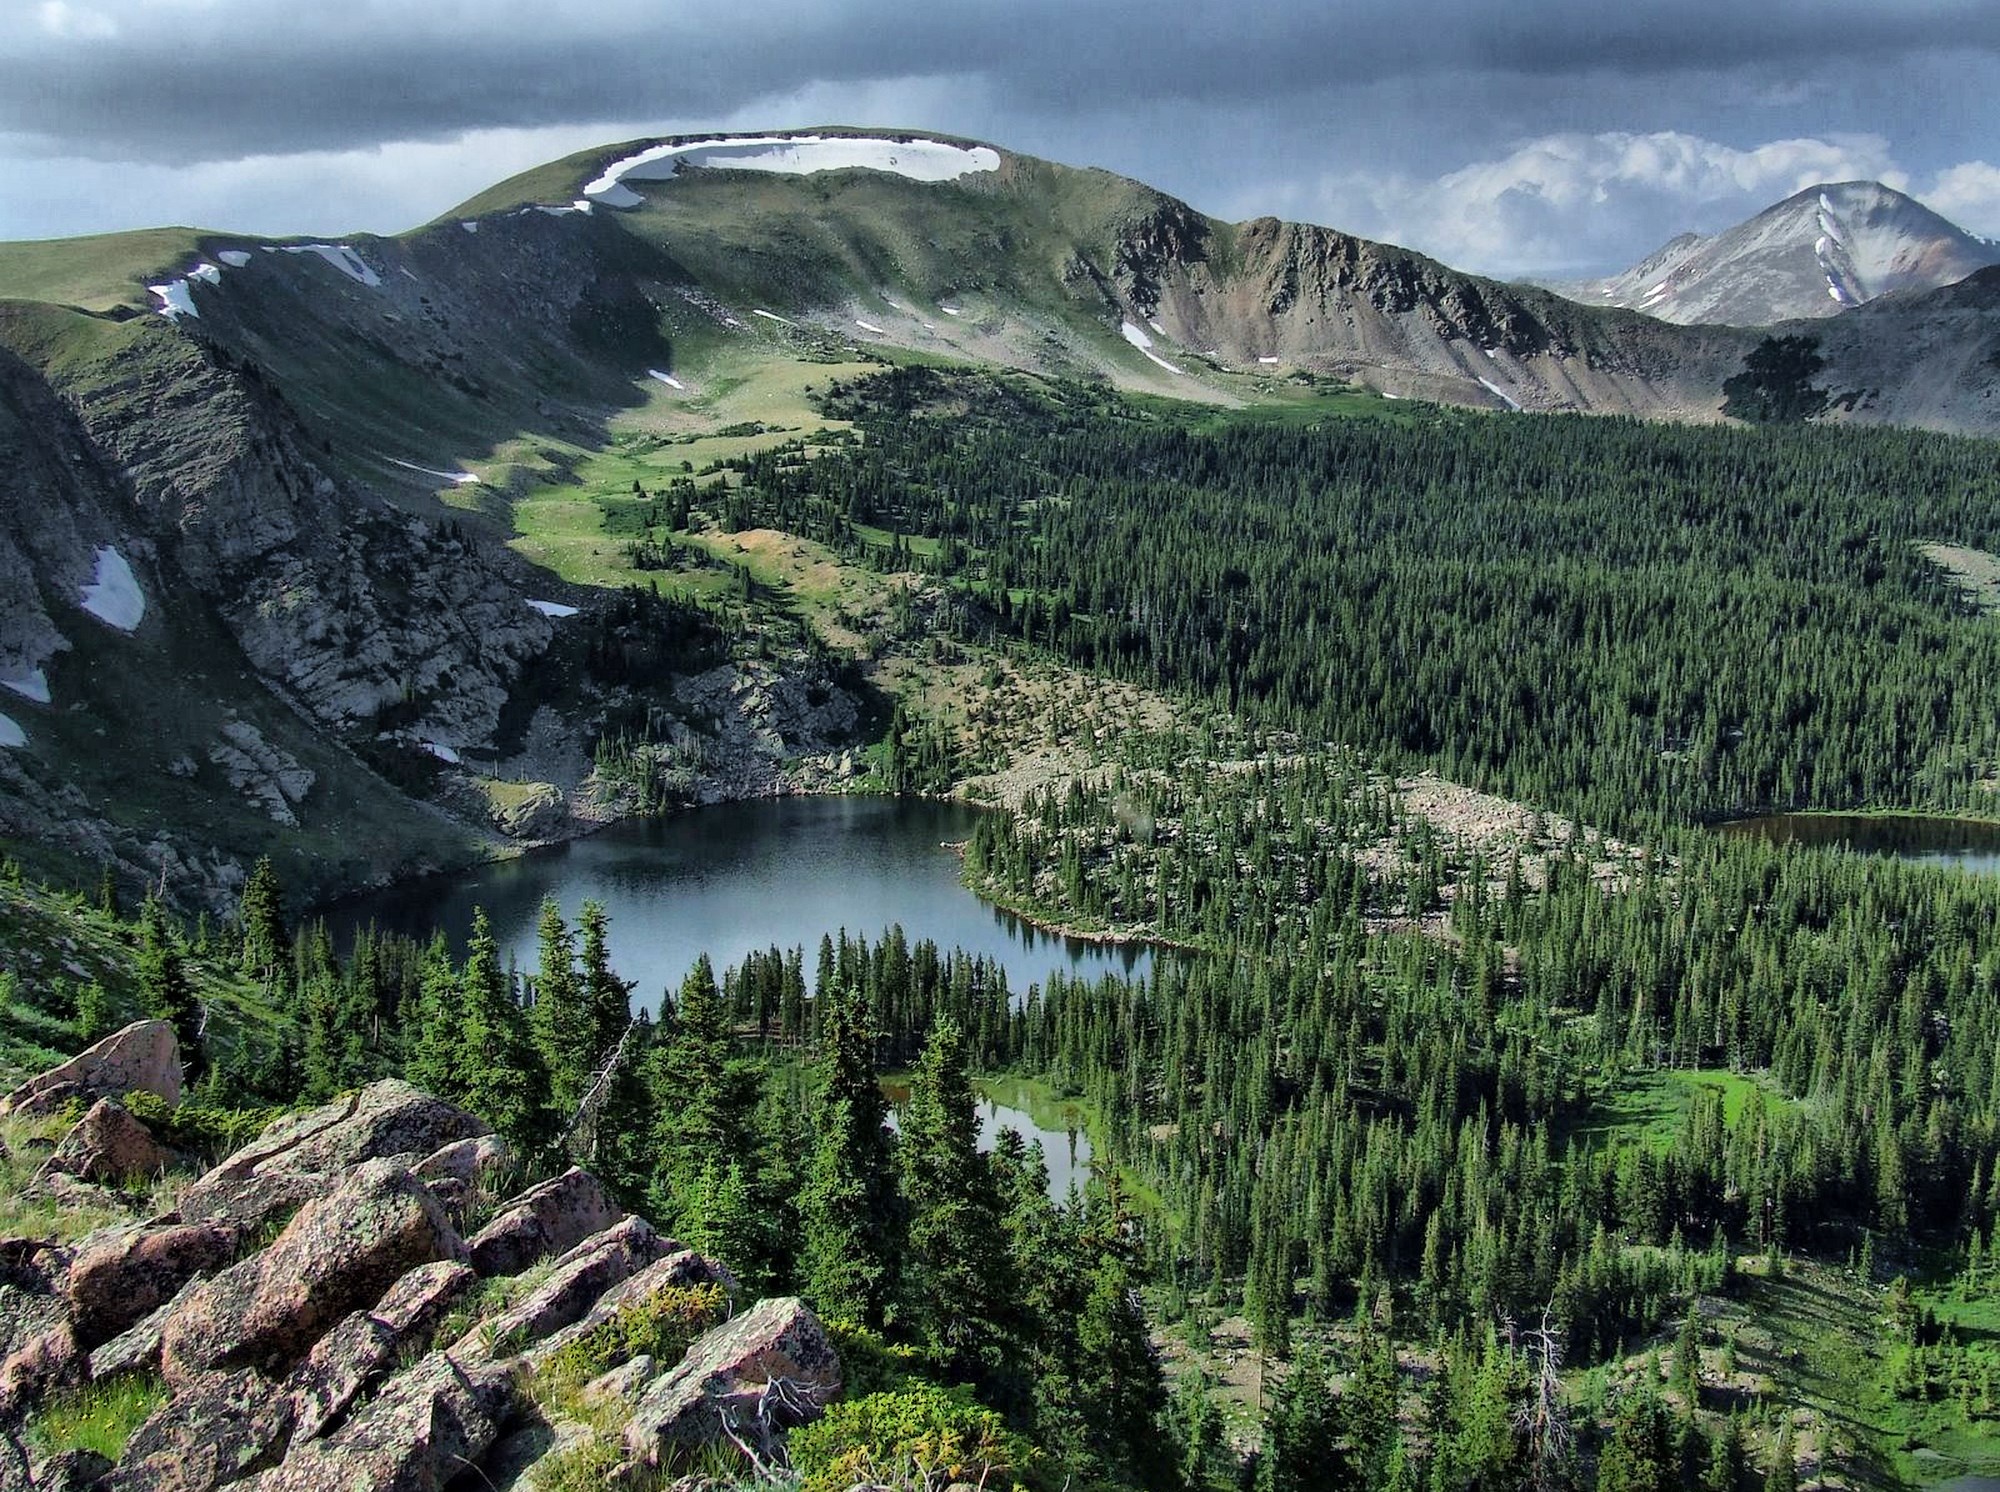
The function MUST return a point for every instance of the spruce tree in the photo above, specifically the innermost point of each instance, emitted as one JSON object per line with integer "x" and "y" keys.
{"x": 164, "y": 984}
{"x": 561, "y": 1019}
{"x": 260, "y": 915}
{"x": 849, "y": 1204}
{"x": 957, "y": 1276}
{"x": 503, "y": 1080}
{"x": 433, "y": 1059}
{"x": 702, "y": 1094}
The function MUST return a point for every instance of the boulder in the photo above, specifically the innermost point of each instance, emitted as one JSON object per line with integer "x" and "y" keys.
{"x": 144, "y": 1057}
{"x": 299, "y": 1158}
{"x": 340, "y": 1253}
{"x": 219, "y": 1428}
{"x": 71, "y": 1471}
{"x": 424, "y": 1428}
{"x": 108, "y": 1144}
{"x": 575, "y": 1284}
{"x": 137, "y": 1348}
{"x": 38, "y": 1350}
{"x": 122, "y": 1274}
{"x": 771, "y": 1368}
{"x": 477, "y": 1161}
{"x": 344, "y": 1362}
{"x": 545, "y": 1219}
{"x": 679, "y": 1267}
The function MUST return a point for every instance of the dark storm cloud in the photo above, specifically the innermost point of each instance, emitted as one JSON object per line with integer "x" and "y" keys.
{"x": 218, "y": 81}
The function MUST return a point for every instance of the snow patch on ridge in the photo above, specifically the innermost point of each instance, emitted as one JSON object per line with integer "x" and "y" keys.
{"x": 553, "y": 608}
{"x": 114, "y": 597}
{"x": 791, "y": 155}
{"x": 11, "y": 735}
{"x": 341, "y": 256}
{"x": 29, "y": 683}
{"x": 1144, "y": 343}
{"x": 459, "y": 478}
{"x": 667, "y": 378}
{"x": 1502, "y": 395}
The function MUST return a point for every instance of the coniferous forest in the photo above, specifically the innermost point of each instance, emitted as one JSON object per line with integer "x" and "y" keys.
{"x": 1513, "y": 1170}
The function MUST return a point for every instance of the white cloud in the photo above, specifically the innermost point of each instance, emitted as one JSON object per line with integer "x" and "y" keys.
{"x": 1968, "y": 194}
{"x": 1574, "y": 203}
{"x": 73, "y": 23}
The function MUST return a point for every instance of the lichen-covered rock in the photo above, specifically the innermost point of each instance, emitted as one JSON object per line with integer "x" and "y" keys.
{"x": 122, "y": 1274}
{"x": 425, "y": 1427}
{"x": 298, "y": 1158}
{"x": 476, "y": 1161}
{"x": 347, "y": 1359}
{"x": 38, "y": 1350}
{"x": 144, "y": 1057}
{"x": 217, "y": 1429}
{"x": 575, "y": 1283}
{"x": 544, "y": 1220}
{"x": 676, "y": 1268}
{"x": 137, "y": 1348}
{"x": 108, "y": 1144}
{"x": 71, "y": 1471}
{"x": 773, "y": 1364}
{"x": 340, "y": 1252}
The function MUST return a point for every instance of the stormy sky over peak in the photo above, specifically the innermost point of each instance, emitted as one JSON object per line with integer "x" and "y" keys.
{"x": 1547, "y": 136}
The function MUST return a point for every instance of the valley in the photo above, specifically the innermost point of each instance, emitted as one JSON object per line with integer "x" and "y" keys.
{"x": 1342, "y": 660}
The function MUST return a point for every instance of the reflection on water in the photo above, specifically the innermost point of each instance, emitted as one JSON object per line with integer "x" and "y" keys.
{"x": 744, "y": 877}
{"x": 1969, "y": 844}
{"x": 1065, "y": 1152}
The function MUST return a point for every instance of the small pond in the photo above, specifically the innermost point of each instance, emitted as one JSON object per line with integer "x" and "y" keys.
{"x": 1969, "y": 844}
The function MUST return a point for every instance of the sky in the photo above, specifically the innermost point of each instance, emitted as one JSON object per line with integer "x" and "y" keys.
{"x": 1545, "y": 137}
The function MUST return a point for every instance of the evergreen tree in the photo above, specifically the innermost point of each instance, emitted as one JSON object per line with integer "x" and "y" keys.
{"x": 260, "y": 916}
{"x": 164, "y": 984}
{"x": 434, "y": 1059}
{"x": 848, "y": 1209}
{"x": 1639, "y": 1456}
{"x": 497, "y": 1063}
{"x": 702, "y": 1094}
{"x": 957, "y": 1277}
{"x": 560, "y": 1018}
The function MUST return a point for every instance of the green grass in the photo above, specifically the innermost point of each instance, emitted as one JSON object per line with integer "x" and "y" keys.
{"x": 1648, "y": 1107}
{"x": 99, "y": 1417}
{"x": 97, "y": 272}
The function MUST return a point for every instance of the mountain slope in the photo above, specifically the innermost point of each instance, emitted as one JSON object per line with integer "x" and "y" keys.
{"x": 1820, "y": 251}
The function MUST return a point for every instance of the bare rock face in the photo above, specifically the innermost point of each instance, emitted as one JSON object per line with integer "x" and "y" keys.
{"x": 574, "y": 1285}
{"x": 345, "y": 1361}
{"x": 775, "y": 1362}
{"x": 122, "y": 1274}
{"x": 340, "y": 1253}
{"x": 108, "y": 1144}
{"x": 474, "y": 1161}
{"x": 217, "y": 1429}
{"x": 38, "y": 1349}
{"x": 424, "y": 1428}
{"x": 543, "y": 1220}
{"x": 267, "y": 775}
{"x": 72, "y": 1471}
{"x": 298, "y": 1158}
{"x": 144, "y": 1057}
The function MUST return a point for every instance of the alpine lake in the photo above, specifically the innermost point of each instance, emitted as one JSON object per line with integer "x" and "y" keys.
{"x": 747, "y": 877}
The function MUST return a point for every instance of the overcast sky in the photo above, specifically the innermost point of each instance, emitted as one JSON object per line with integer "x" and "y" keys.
{"x": 1507, "y": 136}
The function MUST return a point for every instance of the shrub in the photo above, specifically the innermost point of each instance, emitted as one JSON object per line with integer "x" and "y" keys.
{"x": 869, "y": 1365}
{"x": 919, "y": 1437}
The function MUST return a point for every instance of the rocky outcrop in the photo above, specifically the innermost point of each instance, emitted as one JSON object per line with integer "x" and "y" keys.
{"x": 142, "y": 1058}
{"x": 122, "y": 1274}
{"x": 347, "y": 1359}
{"x": 217, "y": 1429}
{"x": 340, "y": 1253}
{"x": 573, "y": 1285}
{"x": 267, "y": 775}
{"x": 424, "y": 1428}
{"x": 108, "y": 1144}
{"x": 544, "y": 1220}
{"x": 298, "y": 1158}
{"x": 773, "y": 1365}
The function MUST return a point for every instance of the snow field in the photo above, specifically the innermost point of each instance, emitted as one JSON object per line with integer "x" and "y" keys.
{"x": 29, "y": 683}
{"x": 11, "y": 735}
{"x": 553, "y": 609}
{"x": 114, "y": 597}
{"x": 1144, "y": 343}
{"x": 791, "y": 155}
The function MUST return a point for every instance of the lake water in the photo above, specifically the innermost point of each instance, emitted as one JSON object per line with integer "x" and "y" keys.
{"x": 1065, "y": 1152}
{"x": 1969, "y": 844}
{"x": 741, "y": 877}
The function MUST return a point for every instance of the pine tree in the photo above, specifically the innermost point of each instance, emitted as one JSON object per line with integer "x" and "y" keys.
{"x": 163, "y": 980}
{"x": 497, "y": 1063}
{"x": 848, "y": 1209}
{"x": 957, "y": 1277}
{"x": 260, "y": 914}
{"x": 702, "y": 1094}
{"x": 561, "y": 1018}
{"x": 433, "y": 1058}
